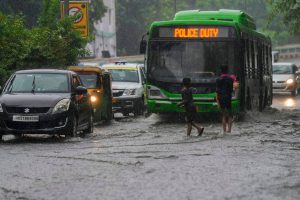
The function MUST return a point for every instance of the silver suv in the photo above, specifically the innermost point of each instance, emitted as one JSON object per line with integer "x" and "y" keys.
{"x": 127, "y": 86}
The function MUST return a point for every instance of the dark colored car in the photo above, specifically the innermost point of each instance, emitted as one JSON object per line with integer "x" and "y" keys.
{"x": 45, "y": 101}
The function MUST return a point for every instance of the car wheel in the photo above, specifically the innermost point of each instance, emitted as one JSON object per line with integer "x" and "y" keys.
{"x": 90, "y": 129}
{"x": 294, "y": 93}
{"x": 73, "y": 127}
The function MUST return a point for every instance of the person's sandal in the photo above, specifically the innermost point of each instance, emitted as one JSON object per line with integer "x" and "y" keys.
{"x": 201, "y": 131}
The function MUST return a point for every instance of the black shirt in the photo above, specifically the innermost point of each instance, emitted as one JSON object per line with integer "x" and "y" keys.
{"x": 225, "y": 86}
{"x": 187, "y": 98}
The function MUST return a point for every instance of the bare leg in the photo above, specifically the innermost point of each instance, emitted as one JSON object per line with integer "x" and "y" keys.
{"x": 224, "y": 123}
{"x": 189, "y": 128}
{"x": 199, "y": 128}
{"x": 229, "y": 122}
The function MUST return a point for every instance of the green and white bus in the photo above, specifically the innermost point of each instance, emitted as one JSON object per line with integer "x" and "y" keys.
{"x": 195, "y": 44}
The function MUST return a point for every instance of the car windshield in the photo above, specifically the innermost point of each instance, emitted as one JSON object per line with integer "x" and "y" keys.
{"x": 282, "y": 69}
{"x": 124, "y": 75}
{"x": 38, "y": 83}
{"x": 89, "y": 79}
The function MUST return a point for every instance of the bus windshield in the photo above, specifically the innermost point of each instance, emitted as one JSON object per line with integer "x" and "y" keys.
{"x": 171, "y": 61}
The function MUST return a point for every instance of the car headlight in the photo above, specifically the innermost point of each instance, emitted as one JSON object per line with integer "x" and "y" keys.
{"x": 290, "y": 81}
{"x": 93, "y": 99}
{"x": 62, "y": 105}
{"x": 128, "y": 92}
{"x": 1, "y": 109}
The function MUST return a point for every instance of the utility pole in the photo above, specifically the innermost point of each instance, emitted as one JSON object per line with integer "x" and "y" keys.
{"x": 175, "y": 6}
{"x": 66, "y": 8}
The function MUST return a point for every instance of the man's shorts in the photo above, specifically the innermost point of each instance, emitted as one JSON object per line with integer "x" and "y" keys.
{"x": 190, "y": 113}
{"x": 225, "y": 104}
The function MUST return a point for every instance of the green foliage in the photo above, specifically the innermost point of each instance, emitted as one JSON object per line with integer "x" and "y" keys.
{"x": 52, "y": 44}
{"x": 290, "y": 11}
{"x": 96, "y": 12}
{"x": 30, "y": 9}
{"x": 14, "y": 45}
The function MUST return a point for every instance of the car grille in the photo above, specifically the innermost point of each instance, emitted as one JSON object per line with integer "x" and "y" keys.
{"x": 35, "y": 125}
{"x": 27, "y": 110}
{"x": 117, "y": 93}
{"x": 28, "y": 125}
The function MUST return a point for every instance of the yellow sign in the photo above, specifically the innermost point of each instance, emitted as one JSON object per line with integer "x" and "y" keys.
{"x": 196, "y": 32}
{"x": 79, "y": 10}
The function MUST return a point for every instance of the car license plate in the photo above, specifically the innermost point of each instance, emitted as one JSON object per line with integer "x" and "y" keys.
{"x": 21, "y": 118}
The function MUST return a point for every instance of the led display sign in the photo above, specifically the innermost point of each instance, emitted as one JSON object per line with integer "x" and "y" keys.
{"x": 203, "y": 32}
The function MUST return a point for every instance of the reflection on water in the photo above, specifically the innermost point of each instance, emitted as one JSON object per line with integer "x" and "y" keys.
{"x": 290, "y": 102}
{"x": 285, "y": 102}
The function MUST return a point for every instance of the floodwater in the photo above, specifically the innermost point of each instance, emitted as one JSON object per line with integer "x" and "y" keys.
{"x": 151, "y": 158}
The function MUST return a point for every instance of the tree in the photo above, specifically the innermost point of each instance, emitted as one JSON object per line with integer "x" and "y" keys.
{"x": 53, "y": 43}
{"x": 14, "y": 45}
{"x": 30, "y": 9}
{"x": 97, "y": 11}
{"x": 290, "y": 10}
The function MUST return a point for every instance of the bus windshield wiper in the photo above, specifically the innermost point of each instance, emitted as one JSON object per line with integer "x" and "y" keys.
{"x": 33, "y": 85}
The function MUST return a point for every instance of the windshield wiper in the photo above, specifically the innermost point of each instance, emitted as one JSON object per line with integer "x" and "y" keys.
{"x": 33, "y": 85}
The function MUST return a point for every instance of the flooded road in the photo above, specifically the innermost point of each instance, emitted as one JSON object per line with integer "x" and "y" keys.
{"x": 151, "y": 158}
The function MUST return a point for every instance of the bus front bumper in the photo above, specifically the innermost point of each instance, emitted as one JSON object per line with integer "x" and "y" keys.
{"x": 167, "y": 106}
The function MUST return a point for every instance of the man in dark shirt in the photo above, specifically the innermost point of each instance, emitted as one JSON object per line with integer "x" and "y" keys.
{"x": 190, "y": 108}
{"x": 224, "y": 95}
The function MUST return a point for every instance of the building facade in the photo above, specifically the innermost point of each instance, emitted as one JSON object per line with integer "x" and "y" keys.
{"x": 104, "y": 45}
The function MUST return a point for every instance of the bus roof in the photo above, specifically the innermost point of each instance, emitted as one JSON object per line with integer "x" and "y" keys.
{"x": 220, "y": 15}
{"x": 223, "y": 17}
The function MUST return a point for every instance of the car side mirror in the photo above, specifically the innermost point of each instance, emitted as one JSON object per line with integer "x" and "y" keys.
{"x": 143, "y": 46}
{"x": 81, "y": 90}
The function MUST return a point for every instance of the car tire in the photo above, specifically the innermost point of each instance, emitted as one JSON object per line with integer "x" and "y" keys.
{"x": 73, "y": 127}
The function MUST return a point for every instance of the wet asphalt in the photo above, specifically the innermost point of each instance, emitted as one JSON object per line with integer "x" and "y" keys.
{"x": 152, "y": 158}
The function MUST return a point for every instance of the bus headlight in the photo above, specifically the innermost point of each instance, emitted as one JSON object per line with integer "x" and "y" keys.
{"x": 62, "y": 106}
{"x": 155, "y": 93}
{"x": 1, "y": 109}
{"x": 129, "y": 92}
{"x": 93, "y": 99}
{"x": 290, "y": 81}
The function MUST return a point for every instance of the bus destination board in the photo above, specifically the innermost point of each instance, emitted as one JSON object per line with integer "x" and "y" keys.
{"x": 203, "y": 32}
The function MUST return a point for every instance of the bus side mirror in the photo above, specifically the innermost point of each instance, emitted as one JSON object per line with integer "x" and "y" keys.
{"x": 143, "y": 46}
{"x": 0, "y": 89}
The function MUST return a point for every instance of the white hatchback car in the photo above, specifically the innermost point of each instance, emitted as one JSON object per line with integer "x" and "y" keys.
{"x": 127, "y": 86}
{"x": 286, "y": 78}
